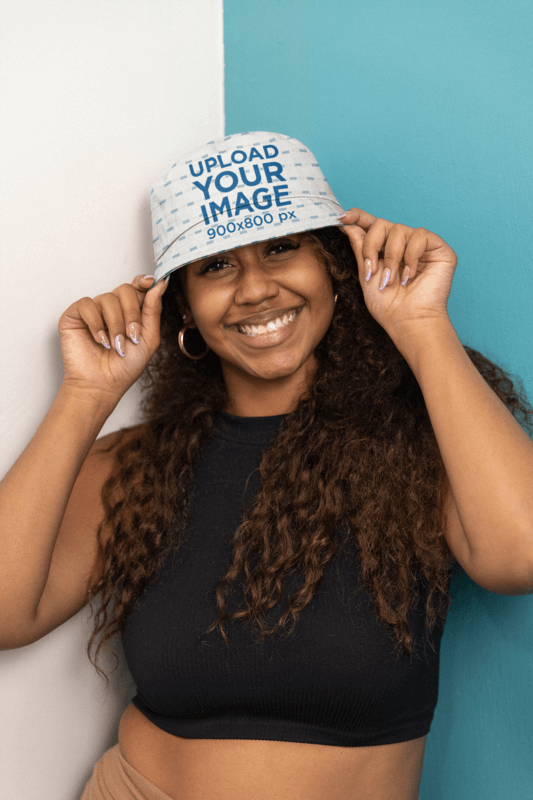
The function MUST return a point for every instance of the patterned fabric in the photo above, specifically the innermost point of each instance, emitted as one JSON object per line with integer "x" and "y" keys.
{"x": 114, "y": 779}
{"x": 236, "y": 191}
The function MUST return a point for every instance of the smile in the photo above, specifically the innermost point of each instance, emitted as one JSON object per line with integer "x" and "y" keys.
{"x": 270, "y": 327}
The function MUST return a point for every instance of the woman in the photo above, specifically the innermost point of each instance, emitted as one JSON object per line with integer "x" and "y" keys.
{"x": 316, "y": 435}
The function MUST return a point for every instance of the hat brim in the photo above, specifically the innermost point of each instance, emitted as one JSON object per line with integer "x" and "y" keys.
{"x": 305, "y": 214}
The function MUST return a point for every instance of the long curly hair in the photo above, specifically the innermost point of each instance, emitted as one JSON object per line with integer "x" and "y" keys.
{"x": 358, "y": 451}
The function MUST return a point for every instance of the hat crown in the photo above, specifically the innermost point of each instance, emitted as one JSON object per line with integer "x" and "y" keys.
{"x": 234, "y": 191}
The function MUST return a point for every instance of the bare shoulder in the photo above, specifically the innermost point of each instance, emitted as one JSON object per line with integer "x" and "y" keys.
{"x": 85, "y": 510}
{"x": 104, "y": 448}
{"x": 86, "y": 498}
{"x": 99, "y": 466}
{"x": 76, "y": 550}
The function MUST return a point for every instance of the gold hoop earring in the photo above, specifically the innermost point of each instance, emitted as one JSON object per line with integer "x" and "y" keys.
{"x": 182, "y": 344}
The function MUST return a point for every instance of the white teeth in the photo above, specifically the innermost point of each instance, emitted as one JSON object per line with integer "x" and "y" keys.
{"x": 272, "y": 325}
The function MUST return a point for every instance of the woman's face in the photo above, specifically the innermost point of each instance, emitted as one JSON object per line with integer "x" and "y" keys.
{"x": 280, "y": 283}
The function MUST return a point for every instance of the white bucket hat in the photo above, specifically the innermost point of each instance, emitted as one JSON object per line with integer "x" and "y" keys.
{"x": 236, "y": 191}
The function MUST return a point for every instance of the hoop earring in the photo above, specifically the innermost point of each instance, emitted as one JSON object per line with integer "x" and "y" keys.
{"x": 335, "y": 299}
{"x": 182, "y": 344}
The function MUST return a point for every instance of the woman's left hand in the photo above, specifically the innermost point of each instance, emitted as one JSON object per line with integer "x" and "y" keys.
{"x": 401, "y": 309}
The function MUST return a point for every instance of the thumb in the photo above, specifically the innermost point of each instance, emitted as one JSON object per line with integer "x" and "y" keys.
{"x": 152, "y": 305}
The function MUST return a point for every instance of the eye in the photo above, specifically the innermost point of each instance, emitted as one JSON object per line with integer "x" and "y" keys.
{"x": 216, "y": 264}
{"x": 282, "y": 246}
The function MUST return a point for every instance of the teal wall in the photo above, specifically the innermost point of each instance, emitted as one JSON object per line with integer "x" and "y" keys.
{"x": 421, "y": 113}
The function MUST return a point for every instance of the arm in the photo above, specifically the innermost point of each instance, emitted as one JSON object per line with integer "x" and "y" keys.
{"x": 487, "y": 456}
{"x": 488, "y": 460}
{"x": 50, "y": 507}
{"x": 34, "y": 496}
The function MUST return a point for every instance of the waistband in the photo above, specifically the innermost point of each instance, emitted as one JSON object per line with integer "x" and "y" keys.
{"x": 114, "y": 779}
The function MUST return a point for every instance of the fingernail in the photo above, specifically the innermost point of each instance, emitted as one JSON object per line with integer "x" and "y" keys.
{"x": 368, "y": 265}
{"x": 167, "y": 279}
{"x": 149, "y": 278}
{"x": 119, "y": 345}
{"x": 406, "y": 273}
{"x": 104, "y": 340}
{"x": 134, "y": 332}
{"x": 341, "y": 216}
{"x": 386, "y": 277}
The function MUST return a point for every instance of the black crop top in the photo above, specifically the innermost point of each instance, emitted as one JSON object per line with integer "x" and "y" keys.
{"x": 335, "y": 680}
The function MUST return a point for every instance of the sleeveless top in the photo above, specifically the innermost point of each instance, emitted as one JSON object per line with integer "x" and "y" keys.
{"x": 335, "y": 680}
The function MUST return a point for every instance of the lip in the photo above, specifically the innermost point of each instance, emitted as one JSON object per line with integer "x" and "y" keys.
{"x": 272, "y": 337}
{"x": 266, "y": 316}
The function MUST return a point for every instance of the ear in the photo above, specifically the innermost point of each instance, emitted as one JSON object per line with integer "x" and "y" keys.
{"x": 186, "y": 316}
{"x": 181, "y": 296}
{"x": 182, "y": 308}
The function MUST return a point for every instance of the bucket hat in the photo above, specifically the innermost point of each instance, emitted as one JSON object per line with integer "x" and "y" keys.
{"x": 236, "y": 191}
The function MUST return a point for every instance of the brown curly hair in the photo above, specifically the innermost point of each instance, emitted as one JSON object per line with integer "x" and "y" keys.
{"x": 359, "y": 450}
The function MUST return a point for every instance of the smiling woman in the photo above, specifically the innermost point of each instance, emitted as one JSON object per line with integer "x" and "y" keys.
{"x": 325, "y": 456}
{"x": 276, "y": 346}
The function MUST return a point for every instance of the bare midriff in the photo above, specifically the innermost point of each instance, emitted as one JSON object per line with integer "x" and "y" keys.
{"x": 251, "y": 769}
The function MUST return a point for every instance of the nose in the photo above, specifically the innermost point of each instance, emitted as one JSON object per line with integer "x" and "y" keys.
{"x": 255, "y": 281}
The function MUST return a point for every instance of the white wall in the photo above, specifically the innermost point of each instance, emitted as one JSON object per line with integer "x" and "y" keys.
{"x": 96, "y": 98}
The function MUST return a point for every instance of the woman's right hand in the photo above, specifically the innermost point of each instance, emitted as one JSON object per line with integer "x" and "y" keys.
{"x": 117, "y": 318}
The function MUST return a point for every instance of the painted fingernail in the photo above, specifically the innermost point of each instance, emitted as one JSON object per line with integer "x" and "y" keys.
{"x": 368, "y": 265}
{"x": 406, "y": 273}
{"x": 385, "y": 281}
{"x": 119, "y": 345}
{"x": 104, "y": 340}
{"x": 134, "y": 332}
{"x": 341, "y": 216}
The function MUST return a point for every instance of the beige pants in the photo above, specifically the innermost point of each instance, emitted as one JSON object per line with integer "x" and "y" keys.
{"x": 114, "y": 779}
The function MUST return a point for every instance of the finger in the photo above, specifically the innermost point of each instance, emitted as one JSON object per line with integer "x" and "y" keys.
{"x": 111, "y": 312}
{"x": 143, "y": 282}
{"x": 151, "y": 311}
{"x": 357, "y": 216}
{"x": 395, "y": 246}
{"x": 373, "y": 243}
{"x": 416, "y": 247}
{"x": 87, "y": 311}
{"x": 131, "y": 301}
{"x": 356, "y": 235}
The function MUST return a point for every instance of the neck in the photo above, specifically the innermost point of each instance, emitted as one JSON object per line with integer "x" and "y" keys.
{"x": 254, "y": 396}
